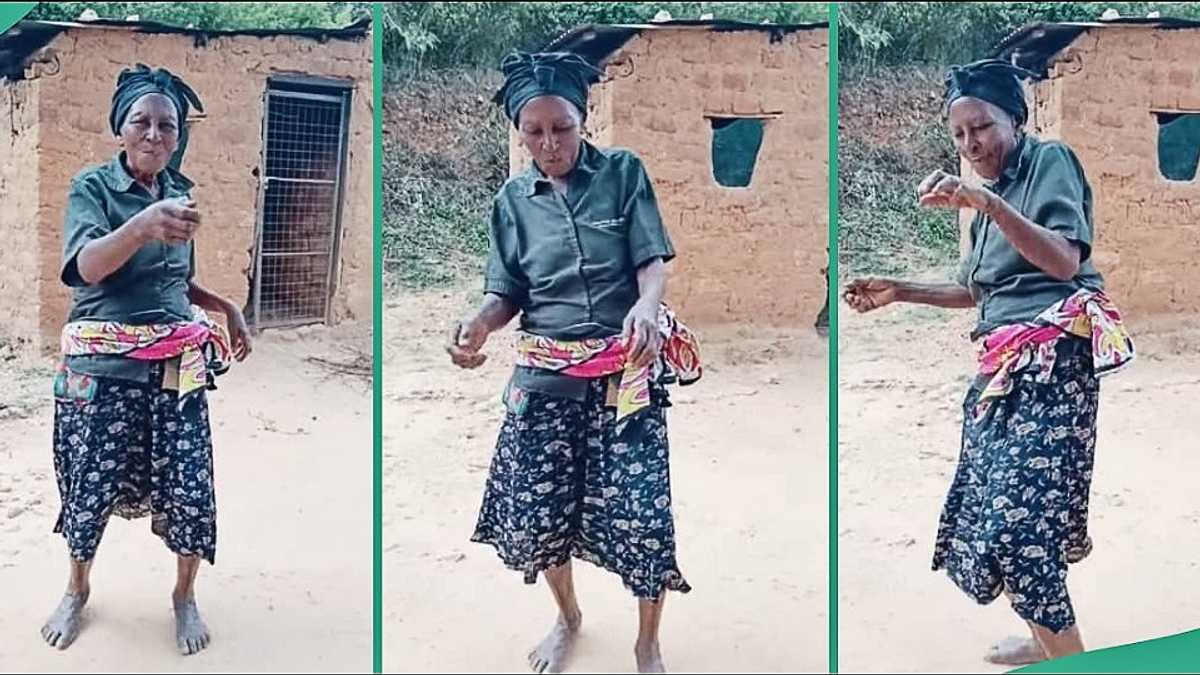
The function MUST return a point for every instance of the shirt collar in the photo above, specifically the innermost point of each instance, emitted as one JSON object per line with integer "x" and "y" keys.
{"x": 588, "y": 162}
{"x": 118, "y": 179}
{"x": 1016, "y": 161}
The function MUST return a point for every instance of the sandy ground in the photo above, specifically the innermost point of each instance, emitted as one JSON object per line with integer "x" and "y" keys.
{"x": 749, "y": 469}
{"x": 291, "y": 590}
{"x": 903, "y": 373}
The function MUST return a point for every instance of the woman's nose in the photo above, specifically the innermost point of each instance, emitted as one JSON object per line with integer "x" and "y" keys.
{"x": 972, "y": 145}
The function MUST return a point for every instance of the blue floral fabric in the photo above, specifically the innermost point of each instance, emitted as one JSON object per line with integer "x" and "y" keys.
{"x": 567, "y": 481}
{"x": 1016, "y": 513}
{"x": 126, "y": 448}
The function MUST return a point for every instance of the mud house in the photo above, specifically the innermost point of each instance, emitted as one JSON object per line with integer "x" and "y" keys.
{"x": 281, "y": 157}
{"x": 732, "y": 122}
{"x": 1125, "y": 95}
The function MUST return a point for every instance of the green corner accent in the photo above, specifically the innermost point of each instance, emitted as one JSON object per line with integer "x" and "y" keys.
{"x": 831, "y": 178}
{"x": 1174, "y": 654}
{"x": 12, "y": 12}
{"x": 377, "y": 339}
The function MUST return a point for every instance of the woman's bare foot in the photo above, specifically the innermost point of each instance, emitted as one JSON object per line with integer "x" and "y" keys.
{"x": 191, "y": 633}
{"x": 649, "y": 658}
{"x": 553, "y": 652}
{"x": 1015, "y": 651}
{"x": 64, "y": 624}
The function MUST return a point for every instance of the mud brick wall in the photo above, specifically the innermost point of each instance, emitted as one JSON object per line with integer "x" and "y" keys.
{"x": 746, "y": 255}
{"x": 19, "y": 272}
{"x": 224, "y": 151}
{"x": 1108, "y": 83}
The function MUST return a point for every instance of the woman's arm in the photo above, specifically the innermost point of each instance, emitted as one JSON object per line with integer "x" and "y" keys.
{"x": 642, "y": 340}
{"x": 652, "y": 283}
{"x": 1047, "y": 250}
{"x": 467, "y": 337}
{"x": 950, "y": 296}
{"x": 173, "y": 221}
{"x": 871, "y": 293}
{"x": 206, "y": 299}
{"x": 239, "y": 332}
{"x": 494, "y": 313}
{"x": 102, "y": 256}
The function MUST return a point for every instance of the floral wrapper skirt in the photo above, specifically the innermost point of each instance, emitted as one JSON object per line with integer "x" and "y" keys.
{"x": 568, "y": 481}
{"x": 1016, "y": 513}
{"x": 127, "y": 448}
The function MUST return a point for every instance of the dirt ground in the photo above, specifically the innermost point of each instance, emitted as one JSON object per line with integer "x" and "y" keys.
{"x": 749, "y": 469}
{"x": 291, "y": 590}
{"x": 903, "y": 373}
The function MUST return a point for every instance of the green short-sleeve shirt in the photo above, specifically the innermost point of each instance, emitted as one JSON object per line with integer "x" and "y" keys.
{"x": 151, "y": 287}
{"x": 570, "y": 262}
{"x": 1045, "y": 182}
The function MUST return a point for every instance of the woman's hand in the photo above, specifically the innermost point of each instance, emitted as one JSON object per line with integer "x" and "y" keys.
{"x": 173, "y": 221}
{"x": 871, "y": 293}
{"x": 940, "y": 189}
{"x": 239, "y": 333}
{"x": 466, "y": 339}
{"x": 640, "y": 335}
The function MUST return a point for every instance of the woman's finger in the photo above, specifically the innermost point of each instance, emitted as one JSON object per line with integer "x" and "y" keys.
{"x": 627, "y": 330}
{"x": 947, "y": 185}
{"x": 934, "y": 199}
{"x": 930, "y": 180}
{"x": 638, "y": 343}
{"x": 653, "y": 349}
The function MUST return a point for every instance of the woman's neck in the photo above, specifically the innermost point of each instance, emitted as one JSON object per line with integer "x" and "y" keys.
{"x": 148, "y": 181}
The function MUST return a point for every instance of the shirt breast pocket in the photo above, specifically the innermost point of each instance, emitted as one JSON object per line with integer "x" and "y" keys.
{"x": 610, "y": 224}
{"x": 605, "y": 230}
{"x": 604, "y": 239}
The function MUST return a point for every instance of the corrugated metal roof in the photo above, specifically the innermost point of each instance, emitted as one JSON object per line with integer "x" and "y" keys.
{"x": 26, "y": 37}
{"x": 595, "y": 42}
{"x": 1033, "y": 45}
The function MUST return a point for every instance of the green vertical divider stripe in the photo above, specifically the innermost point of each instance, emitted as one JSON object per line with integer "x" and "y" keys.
{"x": 831, "y": 178}
{"x": 377, "y": 341}
{"x": 12, "y": 12}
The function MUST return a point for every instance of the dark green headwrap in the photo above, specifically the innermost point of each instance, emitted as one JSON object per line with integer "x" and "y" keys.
{"x": 134, "y": 83}
{"x": 991, "y": 80}
{"x": 528, "y": 76}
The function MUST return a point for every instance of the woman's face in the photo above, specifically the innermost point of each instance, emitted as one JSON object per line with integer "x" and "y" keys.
{"x": 551, "y": 129}
{"x": 983, "y": 134}
{"x": 150, "y": 134}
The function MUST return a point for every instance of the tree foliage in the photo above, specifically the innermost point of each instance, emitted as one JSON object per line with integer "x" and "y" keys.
{"x": 214, "y": 15}
{"x": 477, "y": 34}
{"x": 940, "y": 33}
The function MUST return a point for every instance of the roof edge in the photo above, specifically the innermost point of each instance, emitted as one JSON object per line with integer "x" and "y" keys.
{"x": 359, "y": 28}
{"x": 612, "y": 36}
{"x": 1035, "y": 44}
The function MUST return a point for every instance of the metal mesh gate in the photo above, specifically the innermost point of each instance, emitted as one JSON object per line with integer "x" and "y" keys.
{"x": 299, "y": 210}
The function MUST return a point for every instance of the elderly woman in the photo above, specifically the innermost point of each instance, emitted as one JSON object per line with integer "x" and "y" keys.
{"x": 1016, "y": 513}
{"x": 131, "y": 429}
{"x": 580, "y": 470}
